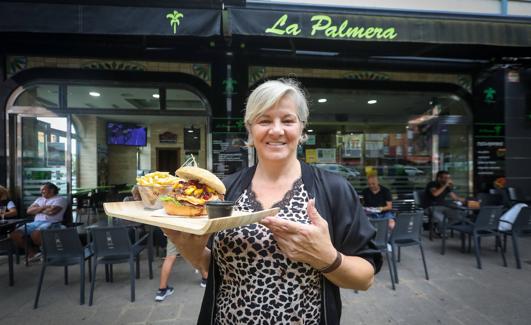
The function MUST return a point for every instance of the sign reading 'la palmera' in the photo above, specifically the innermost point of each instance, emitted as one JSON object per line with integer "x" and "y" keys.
{"x": 323, "y": 25}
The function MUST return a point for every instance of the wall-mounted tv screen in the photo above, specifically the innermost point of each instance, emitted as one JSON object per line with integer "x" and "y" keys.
{"x": 126, "y": 134}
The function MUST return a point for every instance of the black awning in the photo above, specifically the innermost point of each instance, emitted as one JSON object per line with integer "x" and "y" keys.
{"x": 380, "y": 28}
{"x": 110, "y": 20}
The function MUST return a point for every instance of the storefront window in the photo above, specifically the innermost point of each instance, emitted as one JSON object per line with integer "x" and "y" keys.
{"x": 44, "y": 155}
{"x": 403, "y": 137}
{"x": 113, "y": 97}
{"x": 40, "y": 95}
{"x": 111, "y": 144}
{"x": 183, "y": 100}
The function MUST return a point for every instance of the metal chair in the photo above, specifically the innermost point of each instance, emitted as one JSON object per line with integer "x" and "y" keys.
{"x": 520, "y": 228}
{"x": 418, "y": 196}
{"x": 486, "y": 225}
{"x": 62, "y": 247}
{"x": 491, "y": 199}
{"x": 7, "y": 247}
{"x": 380, "y": 240}
{"x": 112, "y": 245}
{"x": 407, "y": 233}
{"x": 516, "y": 195}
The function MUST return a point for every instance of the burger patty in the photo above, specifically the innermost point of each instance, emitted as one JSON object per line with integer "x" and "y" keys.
{"x": 192, "y": 192}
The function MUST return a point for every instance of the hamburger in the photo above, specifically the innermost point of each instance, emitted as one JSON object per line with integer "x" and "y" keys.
{"x": 190, "y": 194}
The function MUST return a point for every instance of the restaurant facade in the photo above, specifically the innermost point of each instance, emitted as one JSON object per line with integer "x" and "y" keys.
{"x": 94, "y": 94}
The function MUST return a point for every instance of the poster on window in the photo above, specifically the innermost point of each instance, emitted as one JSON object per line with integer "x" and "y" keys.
{"x": 326, "y": 155}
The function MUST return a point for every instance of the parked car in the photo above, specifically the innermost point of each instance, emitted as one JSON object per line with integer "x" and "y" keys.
{"x": 409, "y": 171}
{"x": 350, "y": 173}
{"x": 413, "y": 171}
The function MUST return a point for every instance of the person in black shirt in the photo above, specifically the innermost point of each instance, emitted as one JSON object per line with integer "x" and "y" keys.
{"x": 436, "y": 200}
{"x": 378, "y": 201}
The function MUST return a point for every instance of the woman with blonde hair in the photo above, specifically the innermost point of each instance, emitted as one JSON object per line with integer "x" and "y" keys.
{"x": 288, "y": 269}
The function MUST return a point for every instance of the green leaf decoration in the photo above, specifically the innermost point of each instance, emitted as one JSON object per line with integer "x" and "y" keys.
{"x": 367, "y": 75}
{"x": 202, "y": 71}
{"x": 256, "y": 74}
{"x": 114, "y": 65}
{"x": 15, "y": 64}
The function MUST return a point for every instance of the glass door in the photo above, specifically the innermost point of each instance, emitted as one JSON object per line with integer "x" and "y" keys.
{"x": 44, "y": 152}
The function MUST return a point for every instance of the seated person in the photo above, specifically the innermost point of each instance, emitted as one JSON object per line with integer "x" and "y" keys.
{"x": 135, "y": 195}
{"x": 48, "y": 209}
{"x": 378, "y": 201}
{"x": 11, "y": 209}
{"x": 436, "y": 199}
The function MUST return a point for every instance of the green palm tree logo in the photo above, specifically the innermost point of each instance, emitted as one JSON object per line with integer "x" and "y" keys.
{"x": 174, "y": 19}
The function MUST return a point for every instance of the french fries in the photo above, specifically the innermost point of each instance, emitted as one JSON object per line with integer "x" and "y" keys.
{"x": 151, "y": 186}
{"x": 157, "y": 179}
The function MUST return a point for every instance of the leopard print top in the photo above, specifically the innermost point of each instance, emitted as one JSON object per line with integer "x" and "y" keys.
{"x": 259, "y": 284}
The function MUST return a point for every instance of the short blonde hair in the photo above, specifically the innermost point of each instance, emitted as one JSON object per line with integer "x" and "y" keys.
{"x": 268, "y": 95}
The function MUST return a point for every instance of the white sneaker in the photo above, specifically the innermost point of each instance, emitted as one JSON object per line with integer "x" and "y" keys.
{"x": 163, "y": 293}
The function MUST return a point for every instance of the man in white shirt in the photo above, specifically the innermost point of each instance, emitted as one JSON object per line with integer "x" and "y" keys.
{"x": 48, "y": 209}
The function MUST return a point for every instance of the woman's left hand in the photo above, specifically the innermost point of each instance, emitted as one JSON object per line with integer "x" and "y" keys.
{"x": 307, "y": 243}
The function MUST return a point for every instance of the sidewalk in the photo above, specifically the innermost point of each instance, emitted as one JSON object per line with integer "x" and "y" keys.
{"x": 457, "y": 293}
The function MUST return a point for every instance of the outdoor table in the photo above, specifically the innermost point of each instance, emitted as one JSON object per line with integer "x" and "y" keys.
{"x": 468, "y": 217}
{"x": 11, "y": 223}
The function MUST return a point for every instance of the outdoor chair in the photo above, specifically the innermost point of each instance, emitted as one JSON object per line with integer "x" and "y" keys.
{"x": 516, "y": 195}
{"x": 520, "y": 228}
{"x": 490, "y": 199}
{"x": 62, "y": 247}
{"x": 112, "y": 245}
{"x": 486, "y": 225}
{"x": 418, "y": 196}
{"x": 407, "y": 233}
{"x": 505, "y": 196}
{"x": 86, "y": 211}
{"x": 7, "y": 247}
{"x": 381, "y": 240}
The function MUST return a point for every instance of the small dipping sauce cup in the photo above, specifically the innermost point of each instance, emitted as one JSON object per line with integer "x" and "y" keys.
{"x": 219, "y": 209}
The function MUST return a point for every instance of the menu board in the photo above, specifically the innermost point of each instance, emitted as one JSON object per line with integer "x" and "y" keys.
{"x": 490, "y": 162}
{"x": 229, "y": 152}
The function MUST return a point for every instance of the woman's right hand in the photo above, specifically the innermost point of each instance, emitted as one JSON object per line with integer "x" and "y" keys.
{"x": 192, "y": 247}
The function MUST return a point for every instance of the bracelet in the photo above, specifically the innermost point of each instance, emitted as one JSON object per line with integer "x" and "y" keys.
{"x": 335, "y": 264}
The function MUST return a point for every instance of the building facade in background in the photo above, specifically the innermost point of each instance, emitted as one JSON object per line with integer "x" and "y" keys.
{"x": 95, "y": 93}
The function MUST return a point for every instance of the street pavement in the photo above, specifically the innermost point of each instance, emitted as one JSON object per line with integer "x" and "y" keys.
{"x": 456, "y": 293}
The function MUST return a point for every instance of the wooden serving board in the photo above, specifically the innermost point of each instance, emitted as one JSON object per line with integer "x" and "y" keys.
{"x": 134, "y": 211}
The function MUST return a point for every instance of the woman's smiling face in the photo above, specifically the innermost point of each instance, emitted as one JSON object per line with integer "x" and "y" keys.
{"x": 277, "y": 132}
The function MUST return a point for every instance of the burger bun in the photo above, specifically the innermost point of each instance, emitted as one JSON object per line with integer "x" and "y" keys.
{"x": 173, "y": 209}
{"x": 203, "y": 176}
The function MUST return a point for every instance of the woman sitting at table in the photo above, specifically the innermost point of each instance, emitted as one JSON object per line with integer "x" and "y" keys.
{"x": 11, "y": 209}
{"x": 48, "y": 209}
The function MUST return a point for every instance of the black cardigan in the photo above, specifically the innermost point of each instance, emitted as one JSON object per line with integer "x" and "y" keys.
{"x": 350, "y": 231}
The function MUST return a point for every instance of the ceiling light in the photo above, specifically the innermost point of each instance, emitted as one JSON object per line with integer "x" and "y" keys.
{"x": 156, "y": 96}
{"x": 372, "y": 101}
{"x": 310, "y": 131}
{"x": 94, "y": 94}
{"x": 190, "y": 131}
{"x": 322, "y": 100}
